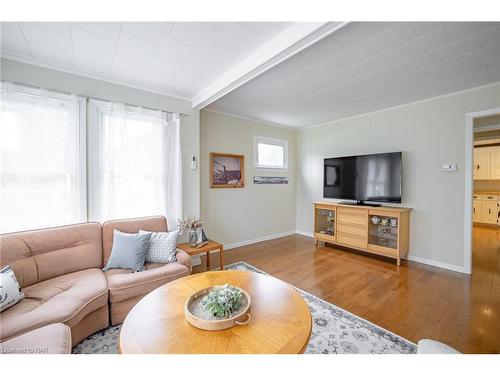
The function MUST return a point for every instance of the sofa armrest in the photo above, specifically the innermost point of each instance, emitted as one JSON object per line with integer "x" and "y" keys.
{"x": 184, "y": 258}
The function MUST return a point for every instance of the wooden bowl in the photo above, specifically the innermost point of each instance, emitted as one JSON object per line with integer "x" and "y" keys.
{"x": 242, "y": 318}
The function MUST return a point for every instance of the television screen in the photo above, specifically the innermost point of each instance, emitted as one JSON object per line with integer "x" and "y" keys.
{"x": 375, "y": 177}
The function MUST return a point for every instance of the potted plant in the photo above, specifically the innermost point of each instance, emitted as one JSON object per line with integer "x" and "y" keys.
{"x": 224, "y": 301}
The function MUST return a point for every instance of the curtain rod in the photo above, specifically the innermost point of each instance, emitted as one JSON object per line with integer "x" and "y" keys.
{"x": 181, "y": 114}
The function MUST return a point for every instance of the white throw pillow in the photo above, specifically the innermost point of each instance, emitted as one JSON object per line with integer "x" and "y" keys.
{"x": 162, "y": 246}
{"x": 10, "y": 291}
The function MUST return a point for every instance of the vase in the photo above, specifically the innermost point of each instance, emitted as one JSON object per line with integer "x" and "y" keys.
{"x": 193, "y": 237}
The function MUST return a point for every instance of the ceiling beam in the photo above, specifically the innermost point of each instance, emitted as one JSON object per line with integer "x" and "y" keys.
{"x": 286, "y": 44}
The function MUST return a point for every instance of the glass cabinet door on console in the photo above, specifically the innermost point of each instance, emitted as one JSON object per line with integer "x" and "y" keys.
{"x": 324, "y": 223}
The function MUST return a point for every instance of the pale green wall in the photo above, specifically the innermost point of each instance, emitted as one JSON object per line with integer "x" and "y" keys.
{"x": 428, "y": 133}
{"x": 190, "y": 126}
{"x": 255, "y": 211}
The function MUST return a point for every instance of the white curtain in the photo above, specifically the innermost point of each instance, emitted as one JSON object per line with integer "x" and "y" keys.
{"x": 173, "y": 172}
{"x": 42, "y": 167}
{"x": 135, "y": 163}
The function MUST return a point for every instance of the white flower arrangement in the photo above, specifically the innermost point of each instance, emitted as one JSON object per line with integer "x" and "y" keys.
{"x": 190, "y": 223}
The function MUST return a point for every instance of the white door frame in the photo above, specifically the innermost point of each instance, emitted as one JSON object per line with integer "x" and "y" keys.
{"x": 469, "y": 181}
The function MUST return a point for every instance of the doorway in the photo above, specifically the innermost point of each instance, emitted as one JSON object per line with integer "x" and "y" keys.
{"x": 482, "y": 186}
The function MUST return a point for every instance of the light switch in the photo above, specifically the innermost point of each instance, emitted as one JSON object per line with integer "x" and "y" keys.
{"x": 449, "y": 167}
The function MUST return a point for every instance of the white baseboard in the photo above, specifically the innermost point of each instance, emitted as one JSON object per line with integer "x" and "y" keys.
{"x": 260, "y": 239}
{"x": 308, "y": 234}
{"x": 436, "y": 263}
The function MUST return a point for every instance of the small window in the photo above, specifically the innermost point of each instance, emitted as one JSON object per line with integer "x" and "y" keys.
{"x": 270, "y": 153}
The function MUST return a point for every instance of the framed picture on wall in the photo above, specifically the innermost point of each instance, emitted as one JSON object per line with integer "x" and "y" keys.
{"x": 227, "y": 170}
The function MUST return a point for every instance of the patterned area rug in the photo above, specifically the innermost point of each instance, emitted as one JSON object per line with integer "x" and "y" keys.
{"x": 335, "y": 331}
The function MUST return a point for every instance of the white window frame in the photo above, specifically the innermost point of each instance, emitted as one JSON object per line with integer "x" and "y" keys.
{"x": 96, "y": 110}
{"x": 270, "y": 141}
{"x": 82, "y": 134}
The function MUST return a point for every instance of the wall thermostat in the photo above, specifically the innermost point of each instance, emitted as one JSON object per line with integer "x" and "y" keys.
{"x": 449, "y": 167}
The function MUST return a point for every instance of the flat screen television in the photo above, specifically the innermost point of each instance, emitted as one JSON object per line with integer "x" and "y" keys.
{"x": 370, "y": 178}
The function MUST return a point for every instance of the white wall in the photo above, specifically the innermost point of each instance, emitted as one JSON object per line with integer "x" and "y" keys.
{"x": 51, "y": 79}
{"x": 239, "y": 215}
{"x": 428, "y": 133}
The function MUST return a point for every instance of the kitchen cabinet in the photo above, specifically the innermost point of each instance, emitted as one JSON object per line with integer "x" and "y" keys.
{"x": 495, "y": 163}
{"x": 487, "y": 163}
{"x": 476, "y": 211}
{"x": 481, "y": 164}
{"x": 486, "y": 209}
{"x": 489, "y": 212}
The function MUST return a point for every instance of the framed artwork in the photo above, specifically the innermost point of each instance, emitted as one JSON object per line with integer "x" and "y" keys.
{"x": 227, "y": 170}
{"x": 265, "y": 180}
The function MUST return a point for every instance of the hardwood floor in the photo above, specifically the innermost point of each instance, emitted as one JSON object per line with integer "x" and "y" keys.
{"x": 415, "y": 301}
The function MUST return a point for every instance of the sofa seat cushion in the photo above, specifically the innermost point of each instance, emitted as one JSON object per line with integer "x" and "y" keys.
{"x": 125, "y": 284}
{"x": 63, "y": 299}
{"x": 50, "y": 339}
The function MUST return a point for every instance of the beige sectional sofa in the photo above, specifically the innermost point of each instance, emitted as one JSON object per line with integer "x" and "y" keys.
{"x": 52, "y": 339}
{"x": 59, "y": 270}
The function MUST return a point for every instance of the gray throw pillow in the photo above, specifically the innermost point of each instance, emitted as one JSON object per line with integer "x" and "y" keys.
{"x": 128, "y": 251}
{"x": 162, "y": 246}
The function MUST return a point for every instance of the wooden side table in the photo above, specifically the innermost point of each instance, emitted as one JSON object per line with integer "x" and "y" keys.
{"x": 210, "y": 246}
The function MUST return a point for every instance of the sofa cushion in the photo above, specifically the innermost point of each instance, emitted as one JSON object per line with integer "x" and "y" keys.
{"x": 162, "y": 246}
{"x": 124, "y": 284}
{"x": 427, "y": 346}
{"x": 129, "y": 250}
{"x": 39, "y": 255}
{"x": 50, "y": 339}
{"x": 63, "y": 299}
{"x": 150, "y": 224}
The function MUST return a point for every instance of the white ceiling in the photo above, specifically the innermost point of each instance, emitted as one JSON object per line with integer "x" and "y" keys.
{"x": 176, "y": 58}
{"x": 367, "y": 66}
{"x": 361, "y": 67}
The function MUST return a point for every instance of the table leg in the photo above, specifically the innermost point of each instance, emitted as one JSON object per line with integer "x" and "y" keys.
{"x": 221, "y": 258}
{"x": 208, "y": 260}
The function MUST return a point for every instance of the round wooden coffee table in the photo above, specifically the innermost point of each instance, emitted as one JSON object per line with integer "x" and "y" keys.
{"x": 280, "y": 319}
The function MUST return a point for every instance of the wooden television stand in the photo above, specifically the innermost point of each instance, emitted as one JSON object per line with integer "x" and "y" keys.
{"x": 352, "y": 226}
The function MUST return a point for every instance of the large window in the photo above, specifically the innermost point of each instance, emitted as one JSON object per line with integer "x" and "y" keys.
{"x": 42, "y": 159}
{"x": 134, "y": 163}
{"x": 270, "y": 153}
{"x": 58, "y": 168}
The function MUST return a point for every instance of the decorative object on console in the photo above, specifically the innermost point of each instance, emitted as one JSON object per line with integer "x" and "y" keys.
{"x": 10, "y": 291}
{"x": 227, "y": 170}
{"x": 266, "y": 180}
{"x": 191, "y": 224}
{"x": 375, "y": 220}
{"x": 218, "y": 307}
{"x": 128, "y": 251}
{"x": 162, "y": 246}
{"x": 202, "y": 238}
